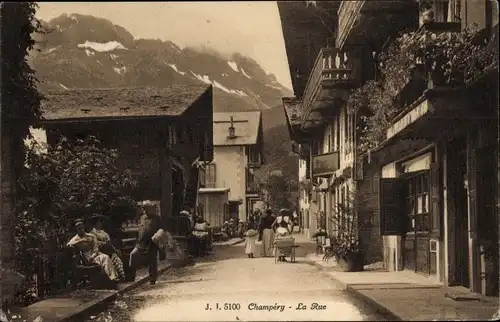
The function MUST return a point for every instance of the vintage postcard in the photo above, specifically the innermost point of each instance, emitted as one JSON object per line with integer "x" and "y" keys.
{"x": 249, "y": 161}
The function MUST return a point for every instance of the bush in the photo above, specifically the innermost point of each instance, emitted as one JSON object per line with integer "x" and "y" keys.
{"x": 58, "y": 185}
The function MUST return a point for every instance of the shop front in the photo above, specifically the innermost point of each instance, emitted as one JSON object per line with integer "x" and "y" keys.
{"x": 410, "y": 212}
{"x": 436, "y": 203}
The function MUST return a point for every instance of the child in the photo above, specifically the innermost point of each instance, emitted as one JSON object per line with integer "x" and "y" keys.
{"x": 251, "y": 236}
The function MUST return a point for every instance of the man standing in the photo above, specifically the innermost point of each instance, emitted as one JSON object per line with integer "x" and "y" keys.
{"x": 146, "y": 249}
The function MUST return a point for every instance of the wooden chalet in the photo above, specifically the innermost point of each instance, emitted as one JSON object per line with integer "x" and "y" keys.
{"x": 160, "y": 133}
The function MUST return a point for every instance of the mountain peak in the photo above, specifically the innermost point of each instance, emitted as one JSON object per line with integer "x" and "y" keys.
{"x": 87, "y": 51}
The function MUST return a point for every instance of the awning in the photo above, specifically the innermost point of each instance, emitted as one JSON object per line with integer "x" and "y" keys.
{"x": 436, "y": 113}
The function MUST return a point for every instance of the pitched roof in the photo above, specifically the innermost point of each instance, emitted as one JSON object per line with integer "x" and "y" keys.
{"x": 172, "y": 100}
{"x": 246, "y": 126}
{"x": 292, "y": 110}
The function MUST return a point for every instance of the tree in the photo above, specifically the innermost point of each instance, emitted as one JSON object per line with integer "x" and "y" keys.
{"x": 279, "y": 191}
{"x": 20, "y": 108}
{"x": 61, "y": 184}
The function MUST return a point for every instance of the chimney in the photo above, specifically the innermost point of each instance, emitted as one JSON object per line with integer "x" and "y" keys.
{"x": 231, "y": 129}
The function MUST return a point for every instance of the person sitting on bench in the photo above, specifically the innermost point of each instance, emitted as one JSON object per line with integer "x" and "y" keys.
{"x": 105, "y": 246}
{"x": 88, "y": 245}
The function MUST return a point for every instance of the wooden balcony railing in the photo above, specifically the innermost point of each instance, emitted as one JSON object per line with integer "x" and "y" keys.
{"x": 332, "y": 65}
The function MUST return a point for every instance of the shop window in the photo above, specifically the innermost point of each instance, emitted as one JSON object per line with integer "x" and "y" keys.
{"x": 417, "y": 204}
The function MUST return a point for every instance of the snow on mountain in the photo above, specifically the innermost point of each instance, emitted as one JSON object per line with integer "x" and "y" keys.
{"x": 205, "y": 79}
{"x": 87, "y": 56}
{"x": 233, "y": 65}
{"x": 102, "y": 47}
{"x": 175, "y": 68}
{"x": 245, "y": 74}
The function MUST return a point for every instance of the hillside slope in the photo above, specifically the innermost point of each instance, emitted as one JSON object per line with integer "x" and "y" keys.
{"x": 82, "y": 51}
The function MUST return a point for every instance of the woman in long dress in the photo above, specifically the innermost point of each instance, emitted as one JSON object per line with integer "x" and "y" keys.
{"x": 283, "y": 228}
{"x": 266, "y": 233}
{"x": 87, "y": 243}
{"x": 105, "y": 246}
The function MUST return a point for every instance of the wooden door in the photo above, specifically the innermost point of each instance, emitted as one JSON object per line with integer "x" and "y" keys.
{"x": 416, "y": 240}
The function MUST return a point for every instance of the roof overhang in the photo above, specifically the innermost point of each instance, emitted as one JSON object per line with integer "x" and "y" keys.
{"x": 91, "y": 119}
{"x": 292, "y": 108}
{"x": 448, "y": 109}
{"x": 306, "y": 29}
{"x": 386, "y": 17}
{"x": 122, "y": 104}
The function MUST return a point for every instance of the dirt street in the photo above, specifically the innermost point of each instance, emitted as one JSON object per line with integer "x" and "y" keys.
{"x": 228, "y": 286}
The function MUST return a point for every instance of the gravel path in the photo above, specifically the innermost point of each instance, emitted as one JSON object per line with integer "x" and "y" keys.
{"x": 228, "y": 286}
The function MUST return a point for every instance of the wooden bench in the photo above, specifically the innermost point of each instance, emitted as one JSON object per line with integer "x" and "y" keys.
{"x": 87, "y": 272}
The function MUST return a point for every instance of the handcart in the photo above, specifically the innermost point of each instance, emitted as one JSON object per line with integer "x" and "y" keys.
{"x": 284, "y": 246}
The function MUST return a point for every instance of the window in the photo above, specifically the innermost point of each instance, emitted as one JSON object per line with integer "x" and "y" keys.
{"x": 328, "y": 140}
{"x": 337, "y": 134}
{"x": 332, "y": 136}
{"x": 346, "y": 131}
{"x": 308, "y": 167}
{"x": 454, "y": 11}
{"x": 253, "y": 155}
{"x": 418, "y": 203}
{"x": 210, "y": 176}
{"x": 349, "y": 131}
{"x": 172, "y": 134}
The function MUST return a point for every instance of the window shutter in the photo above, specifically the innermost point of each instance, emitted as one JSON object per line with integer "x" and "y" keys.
{"x": 392, "y": 206}
{"x": 435, "y": 200}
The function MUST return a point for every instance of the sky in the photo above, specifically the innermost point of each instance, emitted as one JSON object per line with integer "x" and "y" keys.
{"x": 251, "y": 28}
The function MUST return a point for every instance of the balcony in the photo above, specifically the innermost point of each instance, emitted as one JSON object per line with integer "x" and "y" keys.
{"x": 384, "y": 18}
{"x": 334, "y": 69}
